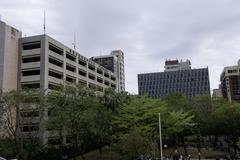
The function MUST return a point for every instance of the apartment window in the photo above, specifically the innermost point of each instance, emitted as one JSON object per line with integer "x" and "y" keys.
{"x": 82, "y": 82}
{"x": 81, "y": 62}
{"x": 113, "y": 85}
{"x": 55, "y": 61}
{"x": 31, "y": 45}
{"x": 30, "y": 59}
{"x": 54, "y": 141}
{"x": 31, "y": 72}
{"x": 29, "y": 114}
{"x": 70, "y": 68}
{"x": 106, "y": 75}
{"x": 113, "y": 78}
{"x": 70, "y": 79}
{"x": 100, "y": 80}
{"x": 30, "y": 127}
{"x": 55, "y": 74}
{"x": 91, "y": 76}
{"x": 82, "y": 72}
{"x": 55, "y": 49}
{"x": 106, "y": 83}
{"x": 52, "y": 86}
{"x": 31, "y": 85}
{"x": 70, "y": 57}
{"x": 91, "y": 67}
{"x": 99, "y": 71}
{"x": 232, "y": 71}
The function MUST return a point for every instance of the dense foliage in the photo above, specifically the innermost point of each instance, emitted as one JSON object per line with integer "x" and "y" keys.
{"x": 86, "y": 120}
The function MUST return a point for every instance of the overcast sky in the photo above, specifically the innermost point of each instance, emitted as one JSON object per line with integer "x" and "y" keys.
{"x": 207, "y": 32}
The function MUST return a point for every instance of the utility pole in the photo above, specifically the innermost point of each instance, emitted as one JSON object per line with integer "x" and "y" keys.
{"x": 160, "y": 135}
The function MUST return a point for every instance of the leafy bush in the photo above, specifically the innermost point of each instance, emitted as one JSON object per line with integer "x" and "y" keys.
{"x": 7, "y": 148}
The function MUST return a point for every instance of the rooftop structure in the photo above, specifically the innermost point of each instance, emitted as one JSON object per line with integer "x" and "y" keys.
{"x": 175, "y": 65}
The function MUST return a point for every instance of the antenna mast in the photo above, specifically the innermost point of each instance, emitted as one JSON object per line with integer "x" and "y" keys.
{"x": 74, "y": 41}
{"x": 44, "y": 22}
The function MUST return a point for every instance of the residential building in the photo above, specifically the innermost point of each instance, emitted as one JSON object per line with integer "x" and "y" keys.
{"x": 115, "y": 63}
{"x": 190, "y": 82}
{"x": 230, "y": 82}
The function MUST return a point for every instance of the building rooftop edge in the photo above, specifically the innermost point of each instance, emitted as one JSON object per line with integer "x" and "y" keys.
{"x": 175, "y": 71}
{"x": 89, "y": 59}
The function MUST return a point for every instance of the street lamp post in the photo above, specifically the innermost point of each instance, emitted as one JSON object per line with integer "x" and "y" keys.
{"x": 160, "y": 135}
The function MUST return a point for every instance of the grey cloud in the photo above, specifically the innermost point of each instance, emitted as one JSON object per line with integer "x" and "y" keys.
{"x": 206, "y": 32}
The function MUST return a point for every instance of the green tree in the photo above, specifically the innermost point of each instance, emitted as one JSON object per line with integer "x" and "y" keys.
{"x": 110, "y": 103}
{"x": 72, "y": 113}
{"x": 176, "y": 101}
{"x": 14, "y": 105}
{"x": 8, "y": 109}
{"x": 84, "y": 114}
{"x": 134, "y": 144}
{"x": 227, "y": 119}
{"x": 142, "y": 114}
{"x": 178, "y": 125}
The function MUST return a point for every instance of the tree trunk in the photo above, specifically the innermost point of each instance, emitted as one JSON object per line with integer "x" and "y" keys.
{"x": 199, "y": 143}
{"x": 100, "y": 152}
{"x": 235, "y": 147}
{"x": 184, "y": 146}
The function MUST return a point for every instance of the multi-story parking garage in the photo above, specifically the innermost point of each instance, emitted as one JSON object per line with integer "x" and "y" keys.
{"x": 46, "y": 63}
{"x": 42, "y": 63}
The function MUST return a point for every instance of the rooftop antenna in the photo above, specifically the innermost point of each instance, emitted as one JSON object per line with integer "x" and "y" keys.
{"x": 44, "y": 22}
{"x": 74, "y": 41}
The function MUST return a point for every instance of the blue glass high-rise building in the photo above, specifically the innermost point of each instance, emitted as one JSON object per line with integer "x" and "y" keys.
{"x": 177, "y": 77}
